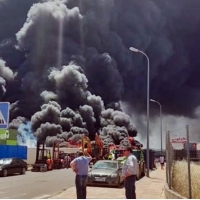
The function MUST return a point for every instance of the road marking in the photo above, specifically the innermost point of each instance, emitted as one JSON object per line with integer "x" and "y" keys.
{"x": 44, "y": 196}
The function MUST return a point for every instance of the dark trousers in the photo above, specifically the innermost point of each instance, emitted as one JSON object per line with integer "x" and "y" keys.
{"x": 129, "y": 185}
{"x": 67, "y": 164}
{"x": 80, "y": 182}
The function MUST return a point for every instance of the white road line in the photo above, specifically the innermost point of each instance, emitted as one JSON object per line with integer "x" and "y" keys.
{"x": 44, "y": 196}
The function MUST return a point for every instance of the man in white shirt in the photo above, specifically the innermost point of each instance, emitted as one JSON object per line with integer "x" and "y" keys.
{"x": 162, "y": 161}
{"x": 129, "y": 172}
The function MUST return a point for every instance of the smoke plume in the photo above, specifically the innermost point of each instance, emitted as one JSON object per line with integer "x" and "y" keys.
{"x": 15, "y": 123}
{"x": 66, "y": 65}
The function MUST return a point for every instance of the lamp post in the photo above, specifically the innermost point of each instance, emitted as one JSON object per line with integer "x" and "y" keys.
{"x": 147, "y": 153}
{"x": 152, "y": 100}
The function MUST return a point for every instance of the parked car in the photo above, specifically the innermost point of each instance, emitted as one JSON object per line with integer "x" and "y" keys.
{"x": 105, "y": 172}
{"x": 10, "y": 166}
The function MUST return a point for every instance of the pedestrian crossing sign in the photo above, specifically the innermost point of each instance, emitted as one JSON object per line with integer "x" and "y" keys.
{"x": 4, "y": 114}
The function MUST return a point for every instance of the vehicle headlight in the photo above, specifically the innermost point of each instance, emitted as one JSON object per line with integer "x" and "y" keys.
{"x": 114, "y": 175}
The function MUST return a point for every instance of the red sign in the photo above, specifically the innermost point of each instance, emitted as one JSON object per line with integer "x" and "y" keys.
{"x": 179, "y": 140}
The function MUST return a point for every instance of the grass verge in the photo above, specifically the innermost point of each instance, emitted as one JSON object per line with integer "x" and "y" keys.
{"x": 180, "y": 179}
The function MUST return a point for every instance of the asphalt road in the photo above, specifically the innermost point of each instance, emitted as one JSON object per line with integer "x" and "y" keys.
{"x": 36, "y": 185}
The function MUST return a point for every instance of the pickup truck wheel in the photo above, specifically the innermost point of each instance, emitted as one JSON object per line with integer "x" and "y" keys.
{"x": 5, "y": 172}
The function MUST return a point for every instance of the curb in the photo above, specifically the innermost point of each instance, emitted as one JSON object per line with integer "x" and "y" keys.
{"x": 171, "y": 194}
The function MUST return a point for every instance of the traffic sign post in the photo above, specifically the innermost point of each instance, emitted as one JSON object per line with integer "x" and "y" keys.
{"x": 4, "y": 115}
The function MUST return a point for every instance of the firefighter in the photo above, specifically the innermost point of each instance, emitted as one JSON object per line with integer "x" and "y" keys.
{"x": 49, "y": 161}
{"x": 48, "y": 155}
{"x": 110, "y": 157}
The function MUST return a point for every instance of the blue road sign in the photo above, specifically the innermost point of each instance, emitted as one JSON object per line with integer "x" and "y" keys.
{"x": 4, "y": 114}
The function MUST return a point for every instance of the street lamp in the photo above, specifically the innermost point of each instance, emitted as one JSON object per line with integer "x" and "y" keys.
{"x": 147, "y": 155}
{"x": 160, "y": 121}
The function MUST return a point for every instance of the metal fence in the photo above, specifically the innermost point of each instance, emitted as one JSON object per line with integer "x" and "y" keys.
{"x": 183, "y": 161}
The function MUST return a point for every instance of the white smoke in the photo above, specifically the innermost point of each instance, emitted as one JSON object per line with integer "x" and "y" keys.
{"x": 169, "y": 123}
{"x": 25, "y": 135}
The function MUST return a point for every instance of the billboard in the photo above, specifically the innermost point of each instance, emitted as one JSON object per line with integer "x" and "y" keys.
{"x": 8, "y": 137}
{"x": 179, "y": 140}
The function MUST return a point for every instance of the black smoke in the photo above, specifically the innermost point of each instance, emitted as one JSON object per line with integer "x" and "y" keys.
{"x": 66, "y": 64}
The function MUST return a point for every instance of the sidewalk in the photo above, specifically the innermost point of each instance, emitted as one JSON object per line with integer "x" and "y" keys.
{"x": 146, "y": 188}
